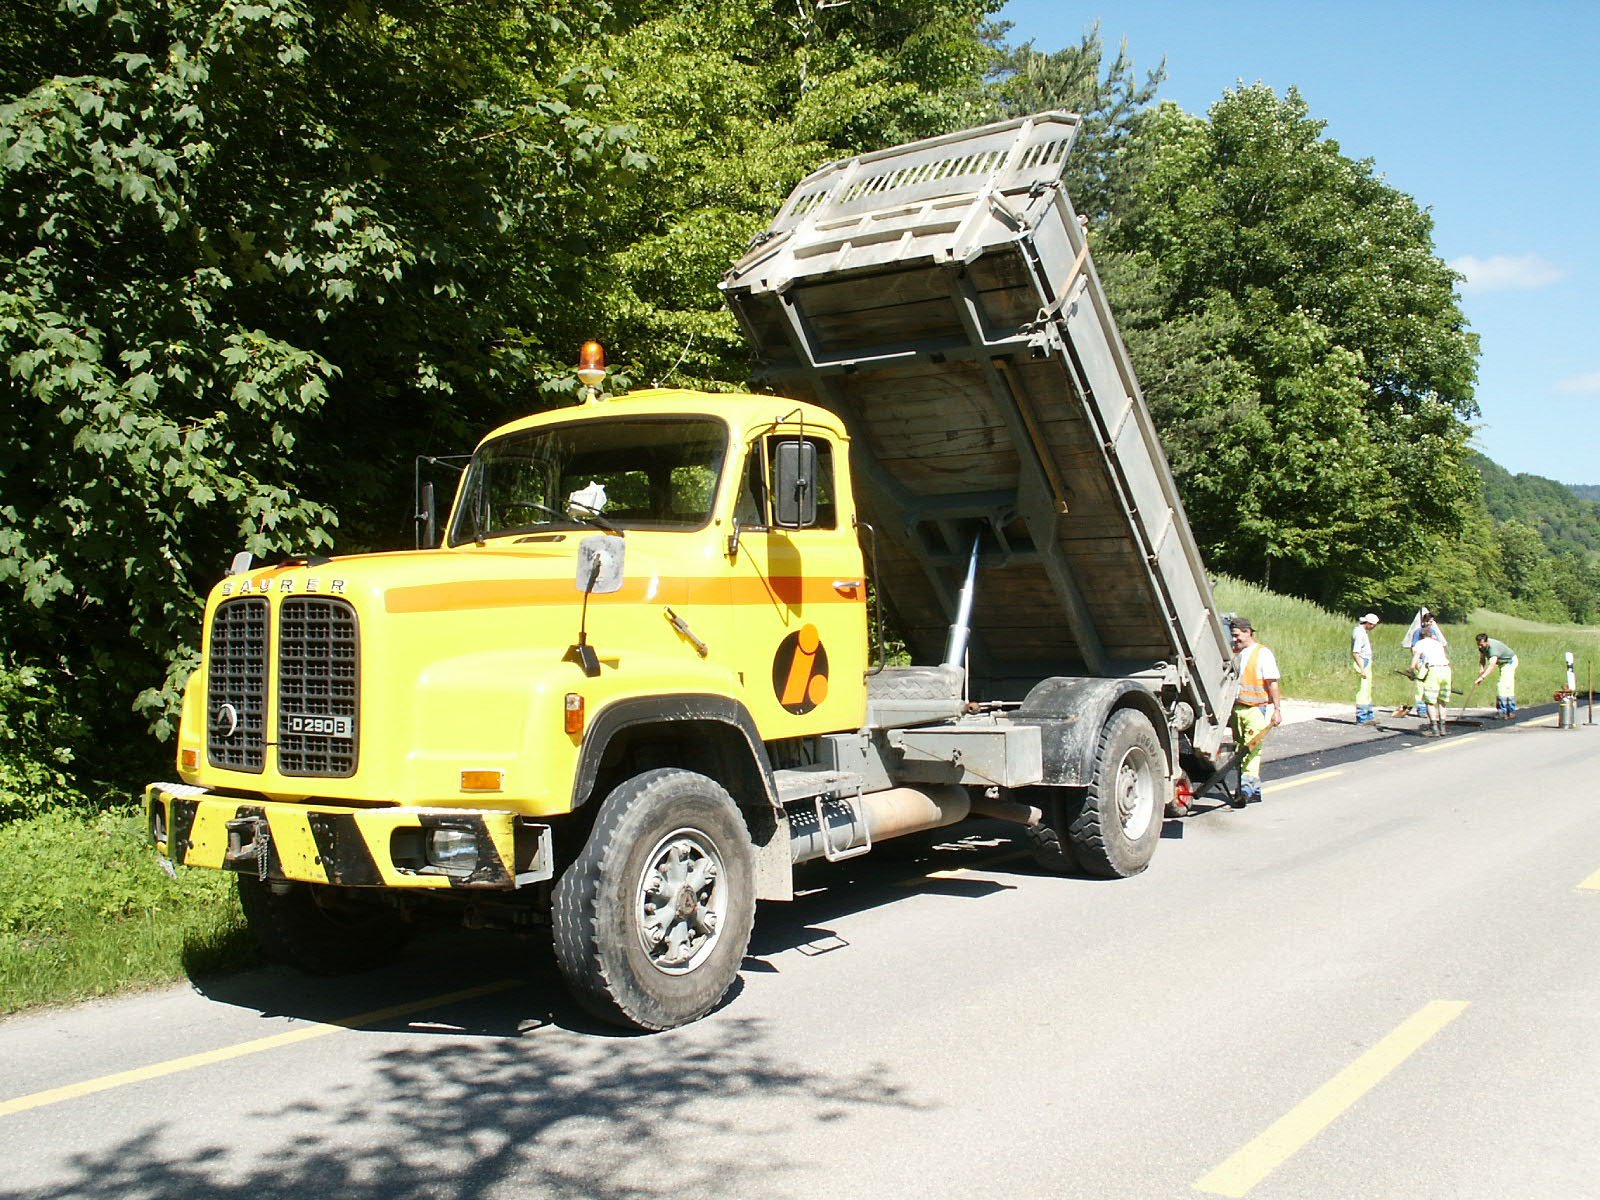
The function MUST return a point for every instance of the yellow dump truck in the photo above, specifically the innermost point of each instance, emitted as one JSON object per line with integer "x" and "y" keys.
{"x": 635, "y": 680}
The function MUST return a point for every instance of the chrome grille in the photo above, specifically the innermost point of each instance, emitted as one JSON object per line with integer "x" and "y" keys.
{"x": 319, "y": 687}
{"x": 236, "y": 686}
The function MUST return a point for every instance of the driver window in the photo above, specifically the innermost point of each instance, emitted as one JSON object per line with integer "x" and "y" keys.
{"x": 752, "y": 507}
{"x": 754, "y": 510}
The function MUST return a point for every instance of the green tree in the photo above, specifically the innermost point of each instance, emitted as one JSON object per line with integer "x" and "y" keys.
{"x": 253, "y": 254}
{"x": 1528, "y": 572}
{"x": 734, "y": 104}
{"x": 1575, "y": 582}
{"x": 1297, "y": 337}
{"x": 1110, "y": 97}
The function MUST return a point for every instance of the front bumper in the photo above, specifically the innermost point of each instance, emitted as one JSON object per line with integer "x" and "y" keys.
{"x": 347, "y": 847}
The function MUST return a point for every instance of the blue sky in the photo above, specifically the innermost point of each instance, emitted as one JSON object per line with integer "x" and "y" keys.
{"x": 1487, "y": 114}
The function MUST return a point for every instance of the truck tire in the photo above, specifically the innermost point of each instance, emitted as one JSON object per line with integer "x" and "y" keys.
{"x": 1051, "y": 848}
{"x": 320, "y": 929}
{"x": 1115, "y": 828}
{"x": 652, "y": 919}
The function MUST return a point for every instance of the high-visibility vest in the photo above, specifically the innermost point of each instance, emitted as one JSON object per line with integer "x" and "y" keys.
{"x": 1252, "y": 690}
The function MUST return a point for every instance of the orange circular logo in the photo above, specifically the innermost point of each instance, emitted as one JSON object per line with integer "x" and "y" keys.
{"x": 800, "y": 671}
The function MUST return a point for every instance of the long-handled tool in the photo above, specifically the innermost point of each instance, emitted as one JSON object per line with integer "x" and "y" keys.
{"x": 1455, "y": 691}
{"x": 1219, "y": 775}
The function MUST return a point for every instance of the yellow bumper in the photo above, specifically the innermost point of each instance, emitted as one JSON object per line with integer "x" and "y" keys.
{"x": 348, "y": 847}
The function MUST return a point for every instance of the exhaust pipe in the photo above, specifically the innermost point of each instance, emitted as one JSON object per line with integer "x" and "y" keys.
{"x": 846, "y": 826}
{"x": 1007, "y": 810}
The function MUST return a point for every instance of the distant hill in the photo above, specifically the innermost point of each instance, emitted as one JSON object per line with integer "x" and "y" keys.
{"x": 1567, "y": 518}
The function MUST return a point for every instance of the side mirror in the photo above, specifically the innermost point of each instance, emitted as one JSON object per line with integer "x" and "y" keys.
{"x": 794, "y": 484}
{"x": 600, "y": 560}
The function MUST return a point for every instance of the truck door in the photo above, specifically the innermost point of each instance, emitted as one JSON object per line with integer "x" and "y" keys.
{"x": 799, "y": 590}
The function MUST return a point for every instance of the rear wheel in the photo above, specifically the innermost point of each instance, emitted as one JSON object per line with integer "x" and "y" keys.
{"x": 652, "y": 919}
{"x": 1115, "y": 831}
{"x": 321, "y": 929}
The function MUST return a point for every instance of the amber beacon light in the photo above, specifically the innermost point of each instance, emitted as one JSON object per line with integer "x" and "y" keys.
{"x": 592, "y": 369}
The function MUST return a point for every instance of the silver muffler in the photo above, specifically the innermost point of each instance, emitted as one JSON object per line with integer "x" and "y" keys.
{"x": 840, "y": 827}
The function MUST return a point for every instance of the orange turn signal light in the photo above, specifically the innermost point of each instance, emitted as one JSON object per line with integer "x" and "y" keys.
{"x": 482, "y": 781}
{"x": 189, "y": 759}
{"x": 574, "y": 713}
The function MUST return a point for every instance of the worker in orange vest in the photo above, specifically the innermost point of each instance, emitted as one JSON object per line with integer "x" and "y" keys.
{"x": 1258, "y": 707}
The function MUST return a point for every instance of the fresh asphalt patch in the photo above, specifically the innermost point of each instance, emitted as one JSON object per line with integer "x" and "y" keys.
{"x": 1324, "y": 742}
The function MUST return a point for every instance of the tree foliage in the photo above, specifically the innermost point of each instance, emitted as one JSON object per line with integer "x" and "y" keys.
{"x": 1546, "y": 561}
{"x": 1300, "y": 344}
{"x": 1111, "y": 99}
{"x": 1567, "y": 523}
{"x": 257, "y": 254}
{"x": 254, "y": 252}
{"x": 733, "y": 104}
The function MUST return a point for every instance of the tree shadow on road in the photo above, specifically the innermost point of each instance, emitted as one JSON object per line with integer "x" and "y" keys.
{"x": 707, "y": 1110}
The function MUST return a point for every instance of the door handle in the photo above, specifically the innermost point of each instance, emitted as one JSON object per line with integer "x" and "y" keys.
{"x": 846, "y": 585}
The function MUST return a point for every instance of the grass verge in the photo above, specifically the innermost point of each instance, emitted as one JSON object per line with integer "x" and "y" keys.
{"x": 1313, "y": 649}
{"x": 85, "y": 911}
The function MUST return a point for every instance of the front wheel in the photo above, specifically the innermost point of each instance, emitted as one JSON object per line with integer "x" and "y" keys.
{"x": 653, "y": 918}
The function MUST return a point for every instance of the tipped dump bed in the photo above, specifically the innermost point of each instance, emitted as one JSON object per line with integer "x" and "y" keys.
{"x": 940, "y": 298}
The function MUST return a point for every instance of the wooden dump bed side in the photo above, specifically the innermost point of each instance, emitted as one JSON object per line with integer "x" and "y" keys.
{"x": 941, "y": 299}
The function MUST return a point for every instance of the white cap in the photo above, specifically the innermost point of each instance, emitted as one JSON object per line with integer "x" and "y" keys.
{"x": 1370, "y": 619}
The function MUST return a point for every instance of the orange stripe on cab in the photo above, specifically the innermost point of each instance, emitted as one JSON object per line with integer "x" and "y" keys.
{"x": 793, "y": 591}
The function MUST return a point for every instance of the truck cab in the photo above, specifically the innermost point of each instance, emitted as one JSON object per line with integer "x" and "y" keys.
{"x": 667, "y": 579}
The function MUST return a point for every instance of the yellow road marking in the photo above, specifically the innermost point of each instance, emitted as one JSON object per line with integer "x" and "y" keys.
{"x": 1444, "y": 745}
{"x": 1250, "y": 1165}
{"x": 1304, "y": 779}
{"x": 958, "y": 872}
{"x": 207, "y": 1057}
{"x": 1591, "y": 884}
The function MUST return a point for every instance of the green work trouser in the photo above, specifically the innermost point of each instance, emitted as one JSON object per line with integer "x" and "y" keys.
{"x": 1435, "y": 685}
{"x": 1506, "y": 688}
{"x": 1247, "y": 722}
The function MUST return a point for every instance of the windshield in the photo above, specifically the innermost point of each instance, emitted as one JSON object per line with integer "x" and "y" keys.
{"x": 627, "y": 473}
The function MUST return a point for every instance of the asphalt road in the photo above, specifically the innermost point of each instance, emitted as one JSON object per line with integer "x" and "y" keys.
{"x": 1381, "y": 982}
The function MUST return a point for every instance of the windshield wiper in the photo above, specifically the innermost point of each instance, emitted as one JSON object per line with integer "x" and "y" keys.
{"x": 594, "y": 520}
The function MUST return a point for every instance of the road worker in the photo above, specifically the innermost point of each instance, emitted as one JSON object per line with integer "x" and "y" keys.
{"x": 1423, "y": 625}
{"x": 1258, "y": 708}
{"x": 1430, "y": 667}
{"x": 1494, "y": 653}
{"x": 1361, "y": 662}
